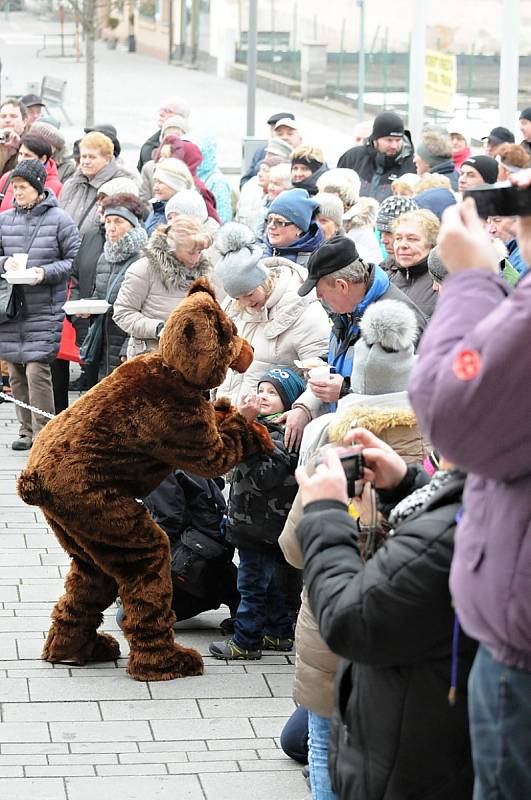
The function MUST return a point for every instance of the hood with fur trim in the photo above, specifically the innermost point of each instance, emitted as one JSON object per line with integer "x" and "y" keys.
{"x": 173, "y": 273}
{"x": 377, "y": 420}
{"x": 362, "y": 214}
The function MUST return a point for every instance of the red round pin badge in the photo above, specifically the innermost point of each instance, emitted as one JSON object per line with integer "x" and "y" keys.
{"x": 466, "y": 365}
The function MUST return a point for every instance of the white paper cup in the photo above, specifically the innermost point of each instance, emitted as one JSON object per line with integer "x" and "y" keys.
{"x": 319, "y": 373}
{"x": 21, "y": 259}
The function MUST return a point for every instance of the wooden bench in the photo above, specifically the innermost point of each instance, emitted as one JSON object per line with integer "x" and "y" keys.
{"x": 53, "y": 94}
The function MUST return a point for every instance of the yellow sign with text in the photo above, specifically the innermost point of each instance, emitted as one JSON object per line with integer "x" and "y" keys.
{"x": 440, "y": 81}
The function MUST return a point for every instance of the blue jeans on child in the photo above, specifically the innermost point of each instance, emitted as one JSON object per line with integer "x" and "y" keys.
{"x": 499, "y": 701}
{"x": 318, "y": 733}
{"x": 262, "y": 608}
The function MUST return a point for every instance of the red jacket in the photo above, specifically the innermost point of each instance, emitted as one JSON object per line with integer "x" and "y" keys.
{"x": 52, "y": 182}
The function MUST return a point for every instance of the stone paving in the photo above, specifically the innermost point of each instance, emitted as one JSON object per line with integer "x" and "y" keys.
{"x": 76, "y": 733}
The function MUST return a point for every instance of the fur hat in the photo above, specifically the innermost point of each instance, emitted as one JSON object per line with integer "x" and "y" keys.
{"x": 343, "y": 182}
{"x": 295, "y": 205}
{"x": 31, "y": 171}
{"x": 330, "y": 206}
{"x": 189, "y": 202}
{"x": 173, "y": 173}
{"x": 391, "y": 208}
{"x": 485, "y": 165}
{"x": 384, "y": 353}
{"x": 118, "y": 186}
{"x": 435, "y": 148}
{"x": 240, "y": 268}
{"x": 288, "y": 384}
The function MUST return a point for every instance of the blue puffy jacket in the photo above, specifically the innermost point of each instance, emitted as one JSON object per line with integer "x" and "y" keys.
{"x": 36, "y": 336}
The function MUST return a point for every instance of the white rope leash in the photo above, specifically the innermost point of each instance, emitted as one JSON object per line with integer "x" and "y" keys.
{"x": 38, "y": 411}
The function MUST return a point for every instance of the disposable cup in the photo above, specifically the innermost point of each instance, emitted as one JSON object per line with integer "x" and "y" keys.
{"x": 319, "y": 373}
{"x": 21, "y": 259}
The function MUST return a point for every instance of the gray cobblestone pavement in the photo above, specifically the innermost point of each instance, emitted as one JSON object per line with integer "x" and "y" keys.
{"x": 78, "y": 733}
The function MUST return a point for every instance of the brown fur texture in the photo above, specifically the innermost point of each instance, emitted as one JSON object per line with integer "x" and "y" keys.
{"x": 116, "y": 444}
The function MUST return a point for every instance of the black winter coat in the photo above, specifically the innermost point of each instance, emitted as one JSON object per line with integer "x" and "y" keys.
{"x": 262, "y": 492}
{"x": 36, "y": 335}
{"x": 84, "y": 273}
{"x": 146, "y": 151}
{"x": 394, "y": 735}
{"x": 417, "y": 284}
{"x": 377, "y": 171}
{"x": 448, "y": 169}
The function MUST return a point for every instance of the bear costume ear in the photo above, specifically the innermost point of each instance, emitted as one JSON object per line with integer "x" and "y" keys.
{"x": 202, "y": 285}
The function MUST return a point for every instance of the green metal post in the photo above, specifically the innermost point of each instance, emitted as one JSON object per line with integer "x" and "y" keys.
{"x": 273, "y": 65}
{"x": 470, "y": 79}
{"x": 294, "y": 43}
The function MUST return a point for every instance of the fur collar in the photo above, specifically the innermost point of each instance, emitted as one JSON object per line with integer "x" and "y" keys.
{"x": 171, "y": 271}
{"x": 377, "y": 420}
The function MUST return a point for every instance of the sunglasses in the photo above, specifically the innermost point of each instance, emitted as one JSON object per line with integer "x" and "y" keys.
{"x": 273, "y": 222}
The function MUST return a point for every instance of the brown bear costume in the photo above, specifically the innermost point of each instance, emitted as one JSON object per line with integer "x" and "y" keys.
{"x": 116, "y": 444}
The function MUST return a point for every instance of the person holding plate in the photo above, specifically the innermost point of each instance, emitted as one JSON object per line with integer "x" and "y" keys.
{"x": 38, "y": 232}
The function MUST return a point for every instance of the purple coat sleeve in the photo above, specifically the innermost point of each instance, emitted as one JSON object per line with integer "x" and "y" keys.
{"x": 481, "y": 422}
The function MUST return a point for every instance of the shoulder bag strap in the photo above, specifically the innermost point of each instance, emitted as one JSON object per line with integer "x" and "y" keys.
{"x": 35, "y": 231}
{"x": 86, "y": 213}
{"x": 115, "y": 280}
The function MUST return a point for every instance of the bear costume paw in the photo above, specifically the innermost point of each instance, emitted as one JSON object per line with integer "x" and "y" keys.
{"x": 95, "y": 649}
{"x": 181, "y": 662}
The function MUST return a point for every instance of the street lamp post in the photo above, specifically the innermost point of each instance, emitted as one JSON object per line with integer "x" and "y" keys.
{"x": 509, "y": 62}
{"x": 251, "y": 67}
{"x": 361, "y": 61}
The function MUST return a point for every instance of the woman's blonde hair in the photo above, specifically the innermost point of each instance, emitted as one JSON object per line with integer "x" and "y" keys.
{"x": 427, "y": 221}
{"x": 267, "y": 285}
{"x": 432, "y": 180}
{"x": 186, "y": 231}
{"x": 98, "y": 141}
{"x": 307, "y": 152}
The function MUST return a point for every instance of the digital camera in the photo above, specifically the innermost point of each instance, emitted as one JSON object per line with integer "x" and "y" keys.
{"x": 500, "y": 199}
{"x": 351, "y": 457}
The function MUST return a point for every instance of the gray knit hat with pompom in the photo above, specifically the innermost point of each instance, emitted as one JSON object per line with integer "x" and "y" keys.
{"x": 384, "y": 353}
{"x": 241, "y": 268}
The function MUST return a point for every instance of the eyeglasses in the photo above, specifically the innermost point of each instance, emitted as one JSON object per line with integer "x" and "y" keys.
{"x": 274, "y": 222}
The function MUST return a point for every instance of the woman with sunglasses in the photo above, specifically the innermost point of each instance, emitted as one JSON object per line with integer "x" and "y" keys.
{"x": 291, "y": 230}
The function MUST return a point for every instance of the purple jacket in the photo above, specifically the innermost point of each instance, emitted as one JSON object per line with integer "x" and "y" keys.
{"x": 476, "y": 409}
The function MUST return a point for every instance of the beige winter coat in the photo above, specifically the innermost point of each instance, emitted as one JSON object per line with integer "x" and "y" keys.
{"x": 152, "y": 287}
{"x": 315, "y": 664}
{"x": 289, "y": 327}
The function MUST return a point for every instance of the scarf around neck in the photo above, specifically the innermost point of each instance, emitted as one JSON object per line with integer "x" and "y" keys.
{"x": 419, "y": 498}
{"x": 128, "y": 245}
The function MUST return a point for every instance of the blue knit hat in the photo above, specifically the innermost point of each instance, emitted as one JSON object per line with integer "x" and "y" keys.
{"x": 436, "y": 200}
{"x": 295, "y": 205}
{"x": 288, "y": 384}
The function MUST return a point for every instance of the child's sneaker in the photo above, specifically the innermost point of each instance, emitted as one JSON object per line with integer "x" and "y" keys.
{"x": 274, "y": 643}
{"x": 231, "y": 651}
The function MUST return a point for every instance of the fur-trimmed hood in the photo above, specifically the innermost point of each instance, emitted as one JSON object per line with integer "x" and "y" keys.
{"x": 172, "y": 272}
{"x": 362, "y": 214}
{"x": 377, "y": 420}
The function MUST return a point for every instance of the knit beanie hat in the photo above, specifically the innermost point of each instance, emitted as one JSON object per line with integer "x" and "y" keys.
{"x": 526, "y": 113}
{"x": 436, "y": 200}
{"x": 391, "y": 208}
{"x": 189, "y": 202}
{"x": 436, "y": 267}
{"x": 295, "y": 205}
{"x": 119, "y": 186}
{"x": 387, "y": 124}
{"x": 31, "y": 171}
{"x": 49, "y": 133}
{"x": 288, "y": 384}
{"x": 175, "y": 121}
{"x": 384, "y": 353}
{"x": 173, "y": 173}
{"x": 330, "y": 206}
{"x": 311, "y": 163}
{"x": 240, "y": 268}
{"x": 278, "y": 147}
{"x": 485, "y": 165}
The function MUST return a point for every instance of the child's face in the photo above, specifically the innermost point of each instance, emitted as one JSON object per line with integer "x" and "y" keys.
{"x": 270, "y": 401}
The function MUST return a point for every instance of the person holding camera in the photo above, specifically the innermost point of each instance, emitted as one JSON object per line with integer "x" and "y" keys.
{"x": 396, "y": 729}
{"x": 13, "y": 115}
{"x": 470, "y": 389}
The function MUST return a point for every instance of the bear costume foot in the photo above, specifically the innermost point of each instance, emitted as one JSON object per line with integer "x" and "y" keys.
{"x": 181, "y": 662}
{"x": 94, "y": 649}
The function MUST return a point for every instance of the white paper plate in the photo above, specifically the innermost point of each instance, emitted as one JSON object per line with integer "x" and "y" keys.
{"x": 18, "y": 276}
{"x": 86, "y": 306}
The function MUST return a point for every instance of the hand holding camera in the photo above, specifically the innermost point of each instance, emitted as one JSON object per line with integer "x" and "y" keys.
{"x": 9, "y": 138}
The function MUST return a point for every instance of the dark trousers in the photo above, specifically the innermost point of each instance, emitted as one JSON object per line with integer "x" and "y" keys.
{"x": 60, "y": 379}
{"x": 262, "y": 608}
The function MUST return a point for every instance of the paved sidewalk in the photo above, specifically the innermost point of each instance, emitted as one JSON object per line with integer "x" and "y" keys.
{"x": 131, "y": 86}
{"x": 78, "y": 733}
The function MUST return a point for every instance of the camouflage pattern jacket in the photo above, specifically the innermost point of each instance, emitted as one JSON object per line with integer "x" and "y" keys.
{"x": 262, "y": 492}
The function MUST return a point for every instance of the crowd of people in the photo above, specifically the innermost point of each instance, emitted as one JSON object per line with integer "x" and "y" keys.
{"x": 383, "y": 313}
